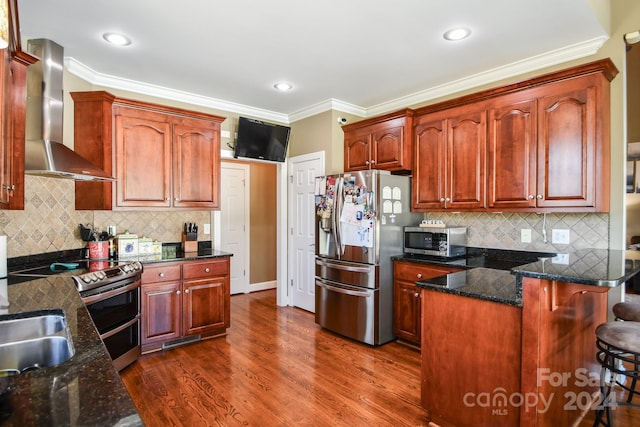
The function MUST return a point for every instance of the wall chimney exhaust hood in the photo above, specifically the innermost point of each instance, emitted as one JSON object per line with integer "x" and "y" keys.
{"x": 45, "y": 154}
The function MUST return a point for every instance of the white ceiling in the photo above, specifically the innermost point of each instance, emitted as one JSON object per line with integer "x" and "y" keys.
{"x": 363, "y": 57}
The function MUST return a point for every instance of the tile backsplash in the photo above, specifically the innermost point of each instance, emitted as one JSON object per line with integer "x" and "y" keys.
{"x": 49, "y": 221}
{"x": 502, "y": 230}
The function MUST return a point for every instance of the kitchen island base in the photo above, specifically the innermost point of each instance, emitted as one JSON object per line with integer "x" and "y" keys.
{"x": 488, "y": 363}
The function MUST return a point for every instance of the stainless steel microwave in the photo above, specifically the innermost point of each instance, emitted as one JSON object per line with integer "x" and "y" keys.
{"x": 445, "y": 242}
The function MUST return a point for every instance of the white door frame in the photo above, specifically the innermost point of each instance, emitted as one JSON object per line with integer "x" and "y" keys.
{"x": 217, "y": 226}
{"x": 319, "y": 155}
{"x": 282, "y": 290}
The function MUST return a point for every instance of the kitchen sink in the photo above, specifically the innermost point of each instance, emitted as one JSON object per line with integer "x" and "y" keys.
{"x": 36, "y": 326}
{"x": 33, "y": 340}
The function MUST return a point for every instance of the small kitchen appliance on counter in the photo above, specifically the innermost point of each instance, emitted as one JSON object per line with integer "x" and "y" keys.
{"x": 443, "y": 242}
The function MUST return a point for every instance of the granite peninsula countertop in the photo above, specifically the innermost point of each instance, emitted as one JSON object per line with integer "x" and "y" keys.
{"x": 84, "y": 390}
{"x": 497, "y": 275}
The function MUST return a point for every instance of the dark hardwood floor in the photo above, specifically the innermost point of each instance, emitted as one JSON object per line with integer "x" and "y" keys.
{"x": 276, "y": 367}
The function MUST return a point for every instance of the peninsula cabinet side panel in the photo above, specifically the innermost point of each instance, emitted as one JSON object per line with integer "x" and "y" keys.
{"x": 470, "y": 350}
{"x": 559, "y": 352}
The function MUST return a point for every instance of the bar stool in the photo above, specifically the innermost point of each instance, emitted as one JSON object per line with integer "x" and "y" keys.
{"x": 618, "y": 344}
{"x": 628, "y": 311}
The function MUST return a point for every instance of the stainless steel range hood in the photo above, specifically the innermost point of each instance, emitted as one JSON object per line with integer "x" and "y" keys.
{"x": 45, "y": 154}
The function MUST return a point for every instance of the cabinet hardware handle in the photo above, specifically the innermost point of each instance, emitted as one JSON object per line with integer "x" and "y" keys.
{"x": 539, "y": 196}
{"x": 530, "y": 197}
{"x": 417, "y": 295}
{"x": 206, "y": 270}
{"x": 166, "y": 199}
{"x": 373, "y": 162}
{"x": 161, "y": 274}
{"x": 419, "y": 275}
{"x": 447, "y": 199}
{"x": 178, "y": 292}
{"x": 176, "y": 199}
{"x": 186, "y": 291}
{"x": 367, "y": 162}
{"x": 442, "y": 199}
{"x": 8, "y": 187}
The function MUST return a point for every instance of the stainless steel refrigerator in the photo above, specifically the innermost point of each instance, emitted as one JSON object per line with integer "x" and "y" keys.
{"x": 359, "y": 226}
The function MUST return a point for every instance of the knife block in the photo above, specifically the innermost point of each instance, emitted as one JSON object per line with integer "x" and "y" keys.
{"x": 189, "y": 242}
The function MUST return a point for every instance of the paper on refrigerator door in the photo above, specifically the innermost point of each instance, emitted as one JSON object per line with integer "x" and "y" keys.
{"x": 357, "y": 234}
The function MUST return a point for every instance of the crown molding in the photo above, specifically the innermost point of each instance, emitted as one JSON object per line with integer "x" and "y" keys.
{"x": 104, "y": 80}
{"x": 547, "y": 59}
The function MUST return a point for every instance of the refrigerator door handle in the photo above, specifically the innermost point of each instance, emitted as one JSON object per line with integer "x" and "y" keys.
{"x": 327, "y": 286}
{"x": 336, "y": 266}
{"x": 336, "y": 215}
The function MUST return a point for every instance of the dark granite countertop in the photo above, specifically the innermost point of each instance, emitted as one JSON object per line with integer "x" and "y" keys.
{"x": 171, "y": 252}
{"x": 182, "y": 256}
{"x": 595, "y": 267}
{"x": 482, "y": 283}
{"x": 84, "y": 390}
{"x": 496, "y": 275}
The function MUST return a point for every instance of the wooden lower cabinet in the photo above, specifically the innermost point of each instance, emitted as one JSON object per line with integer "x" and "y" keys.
{"x": 490, "y": 364}
{"x": 184, "y": 299}
{"x": 406, "y": 297}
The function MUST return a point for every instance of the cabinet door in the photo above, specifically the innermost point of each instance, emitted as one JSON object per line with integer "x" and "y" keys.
{"x": 205, "y": 306}
{"x": 160, "y": 308}
{"x": 196, "y": 164}
{"x": 567, "y": 144}
{"x": 387, "y": 146}
{"x": 357, "y": 150}
{"x": 406, "y": 313}
{"x": 406, "y": 304}
{"x": 466, "y": 154}
{"x": 429, "y": 144}
{"x": 143, "y": 152}
{"x": 512, "y": 154}
{"x": 13, "y": 75}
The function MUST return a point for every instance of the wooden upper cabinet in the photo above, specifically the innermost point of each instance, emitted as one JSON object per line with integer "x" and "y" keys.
{"x": 512, "y": 153}
{"x": 548, "y": 149}
{"x": 196, "y": 156}
{"x": 143, "y": 159}
{"x": 567, "y": 146}
{"x": 449, "y": 155}
{"x": 13, "y": 102}
{"x": 379, "y": 143}
{"x": 162, "y": 157}
{"x": 546, "y": 142}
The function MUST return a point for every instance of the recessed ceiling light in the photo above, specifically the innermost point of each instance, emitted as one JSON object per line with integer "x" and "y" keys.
{"x": 457, "y": 34}
{"x": 282, "y": 86}
{"x": 117, "y": 39}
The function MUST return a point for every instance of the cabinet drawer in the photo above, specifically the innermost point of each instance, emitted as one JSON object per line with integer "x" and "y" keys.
{"x": 160, "y": 273}
{"x": 412, "y": 272}
{"x": 204, "y": 269}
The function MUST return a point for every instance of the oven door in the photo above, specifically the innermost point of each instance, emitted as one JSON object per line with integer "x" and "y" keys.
{"x": 116, "y": 315}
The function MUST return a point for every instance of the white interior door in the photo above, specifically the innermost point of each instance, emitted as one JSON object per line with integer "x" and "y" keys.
{"x": 303, "y": 171}
{"x": 234, "y": 222}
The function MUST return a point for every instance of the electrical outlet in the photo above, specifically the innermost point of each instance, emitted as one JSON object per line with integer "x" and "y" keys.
{"x": 560, "y": 237}
{"x": 207, "y": 229}
{"x": 560, "y": 259}
{"x": 525, "y": 235}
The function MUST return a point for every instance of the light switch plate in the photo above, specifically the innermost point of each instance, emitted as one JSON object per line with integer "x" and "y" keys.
{"x": 560, "y": 237}
{"x": 207, "y": 229}
{"x": 525, "y": 235}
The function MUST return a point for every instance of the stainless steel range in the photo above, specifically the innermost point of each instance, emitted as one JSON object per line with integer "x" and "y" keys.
{"x": 111, "y": 293}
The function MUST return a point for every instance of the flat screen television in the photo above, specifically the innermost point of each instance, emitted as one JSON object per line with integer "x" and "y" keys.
{"x": 260, "y": 140}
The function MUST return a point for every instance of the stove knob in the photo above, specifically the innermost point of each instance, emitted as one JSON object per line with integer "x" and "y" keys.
{"x": 101, "y": 275}
{"x": 85, "y": 278}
